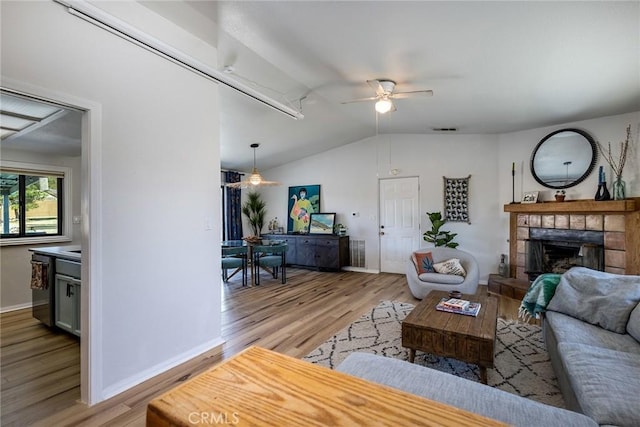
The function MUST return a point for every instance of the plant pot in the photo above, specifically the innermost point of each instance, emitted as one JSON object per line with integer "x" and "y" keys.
{"x": 560, "y": 198}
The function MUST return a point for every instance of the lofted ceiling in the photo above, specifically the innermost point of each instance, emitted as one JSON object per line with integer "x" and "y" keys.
{"x": 494, "y": 67}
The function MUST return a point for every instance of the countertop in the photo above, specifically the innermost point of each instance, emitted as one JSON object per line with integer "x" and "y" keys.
{"x": 64, "y": 252}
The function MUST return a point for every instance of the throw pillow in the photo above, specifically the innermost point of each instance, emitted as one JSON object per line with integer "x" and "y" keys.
{"x": 450, "y": 266}
{"x": 633, "y": 325}
{"x": 602, "y": 299}
{"x": 423, "y": 262}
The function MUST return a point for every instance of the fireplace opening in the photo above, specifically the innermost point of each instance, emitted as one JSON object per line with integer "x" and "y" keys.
{"x": 556, "y": 251}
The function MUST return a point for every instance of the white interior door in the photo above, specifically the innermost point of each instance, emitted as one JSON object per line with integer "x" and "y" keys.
{"x": 399, "y": 222}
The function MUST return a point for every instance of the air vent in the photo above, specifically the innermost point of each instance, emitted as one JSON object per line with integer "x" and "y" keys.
{"x": 444, "y": 129}
{"x": 357, "y": 253}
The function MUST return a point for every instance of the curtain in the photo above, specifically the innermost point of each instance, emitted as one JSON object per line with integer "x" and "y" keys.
{"x": 234, "y": 207}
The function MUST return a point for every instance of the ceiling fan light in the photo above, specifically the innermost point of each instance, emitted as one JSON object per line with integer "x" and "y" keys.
{"x": 383, "y": 106}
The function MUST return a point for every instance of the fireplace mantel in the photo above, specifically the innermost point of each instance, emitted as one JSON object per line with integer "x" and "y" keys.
{"x": 618, "y": 219}
{"x": 575, "y": 206}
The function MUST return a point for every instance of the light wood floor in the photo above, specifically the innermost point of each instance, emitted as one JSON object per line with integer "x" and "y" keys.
{"x": 40, "y": 369}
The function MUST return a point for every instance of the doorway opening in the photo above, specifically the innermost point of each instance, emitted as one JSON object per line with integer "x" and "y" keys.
{"x": 40, "y": 130}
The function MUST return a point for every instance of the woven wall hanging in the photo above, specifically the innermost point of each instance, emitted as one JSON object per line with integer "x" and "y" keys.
{"x": 456, "y": 199}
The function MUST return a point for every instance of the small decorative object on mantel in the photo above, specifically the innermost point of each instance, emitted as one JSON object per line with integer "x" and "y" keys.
{"x": 530, "y": 197}
{"x": 619, "y": 186}
{"x": 560, "y": 194}
{"x": 602, "y": 193}
{"x": 513, "y": 183}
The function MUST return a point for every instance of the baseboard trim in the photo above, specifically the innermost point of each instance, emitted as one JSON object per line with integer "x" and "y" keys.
{"x": 15, "y": 307}
{"x": 128, "y": 383}
{"x": 360, "y": 270}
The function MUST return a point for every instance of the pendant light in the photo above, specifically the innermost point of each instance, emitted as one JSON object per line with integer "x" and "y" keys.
{"x": 254, "y": 179}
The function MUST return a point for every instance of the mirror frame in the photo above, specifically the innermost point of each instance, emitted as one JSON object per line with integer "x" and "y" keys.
{"x": 594, "y": 158}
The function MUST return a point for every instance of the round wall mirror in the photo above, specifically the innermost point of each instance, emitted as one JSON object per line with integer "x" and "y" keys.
{"x": 564, "y": 158}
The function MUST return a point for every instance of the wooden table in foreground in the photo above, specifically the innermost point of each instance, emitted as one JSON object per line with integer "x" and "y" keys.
{"x": 262, "y": 388}
{"x": 467, "y": 338}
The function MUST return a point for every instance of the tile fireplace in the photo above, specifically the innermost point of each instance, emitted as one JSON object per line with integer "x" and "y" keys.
{"x": 553, "y": 236}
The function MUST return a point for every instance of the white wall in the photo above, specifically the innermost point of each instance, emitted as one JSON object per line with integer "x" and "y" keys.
{"x": 15, "y": 260}
{"x": 349, "y": 178}
{"x": 156, "y": 268}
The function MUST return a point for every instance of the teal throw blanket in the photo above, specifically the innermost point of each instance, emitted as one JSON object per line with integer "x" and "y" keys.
{"x": 538, "y": 296}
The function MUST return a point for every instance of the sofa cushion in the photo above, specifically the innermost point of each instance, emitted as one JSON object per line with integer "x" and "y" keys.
{"x": 445, "y": 279}
{"x": 570, "y": 329}
{"x": 423, "y": 261}
{"x": 600, "y": 298}
{"x": 450, "y": 266}
{"x": 633, "y": 325}
{"x": 468, "y": 395}
{"x": 606, "y": 382}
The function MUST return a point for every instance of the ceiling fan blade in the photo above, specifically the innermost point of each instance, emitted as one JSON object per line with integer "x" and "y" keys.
{"x": 411, "y": 94}
{"x": 373, "y": 98}
{"x": 375, "y": 85}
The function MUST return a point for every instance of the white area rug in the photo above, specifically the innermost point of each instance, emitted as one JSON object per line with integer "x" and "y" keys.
{"x": 521, "y": 361}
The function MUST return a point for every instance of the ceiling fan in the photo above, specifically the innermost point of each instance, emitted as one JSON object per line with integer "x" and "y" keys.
{"x": 385, "y": 95}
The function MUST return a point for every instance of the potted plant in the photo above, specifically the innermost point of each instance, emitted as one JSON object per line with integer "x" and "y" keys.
{"x": 435, "y": 235}
{"x": 560, "y": 195}
{"x": 254, "y": 208}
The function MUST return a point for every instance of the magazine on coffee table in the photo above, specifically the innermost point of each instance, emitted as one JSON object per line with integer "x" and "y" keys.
{"x": 472, "y": 309}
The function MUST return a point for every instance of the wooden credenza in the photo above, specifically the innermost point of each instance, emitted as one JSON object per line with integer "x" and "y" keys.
{"x": 321, "y": 252}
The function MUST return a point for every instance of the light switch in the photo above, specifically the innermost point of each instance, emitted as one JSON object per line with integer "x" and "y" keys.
{"x": 208, "y": 224}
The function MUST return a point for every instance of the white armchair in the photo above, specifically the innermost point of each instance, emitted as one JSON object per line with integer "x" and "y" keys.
{"x": 421, "y": 285}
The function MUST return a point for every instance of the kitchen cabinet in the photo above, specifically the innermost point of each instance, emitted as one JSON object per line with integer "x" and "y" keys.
{"x": 44, "y": 297}
{"x": 67, "y": 296}
{"x": 322, "y": 252}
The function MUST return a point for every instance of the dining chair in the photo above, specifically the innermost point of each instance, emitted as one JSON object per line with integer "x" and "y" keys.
{"x": 234, "y": 257}
{"x": 272, "y": 258}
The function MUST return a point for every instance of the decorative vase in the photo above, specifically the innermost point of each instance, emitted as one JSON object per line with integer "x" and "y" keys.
{"x": 503, "y": 268}
{"x": 619, "y": 188}
{"x": 603, "y": 193}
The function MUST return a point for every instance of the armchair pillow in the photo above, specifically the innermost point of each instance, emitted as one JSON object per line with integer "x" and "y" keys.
{"x": 423, "y": 262}
{"x": 450, "y": 266}
{"x": 596, "y": 297}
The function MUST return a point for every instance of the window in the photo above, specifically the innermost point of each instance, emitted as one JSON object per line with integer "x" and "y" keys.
{"x": 33, "y": 204}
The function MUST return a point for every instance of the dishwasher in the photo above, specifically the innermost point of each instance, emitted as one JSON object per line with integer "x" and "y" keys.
{"x": 43, "y": 299}
{"x": 67, "y": 295}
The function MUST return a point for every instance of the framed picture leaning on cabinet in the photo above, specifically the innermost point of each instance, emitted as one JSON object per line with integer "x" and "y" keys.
{"x": 322, "y": 223}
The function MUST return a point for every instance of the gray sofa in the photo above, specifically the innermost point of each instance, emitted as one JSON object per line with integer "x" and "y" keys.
{"x": 459, "y": 392}
{"x": 592, "y": 332}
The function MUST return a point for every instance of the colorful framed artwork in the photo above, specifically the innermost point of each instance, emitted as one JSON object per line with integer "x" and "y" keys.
{"x": 530, "y": 197}
{"x": 322, "y": 223}
{"x": 303, "y": 201}
{"x": 456, "y": 199}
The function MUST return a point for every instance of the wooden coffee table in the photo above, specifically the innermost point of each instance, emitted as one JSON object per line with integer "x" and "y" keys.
{"x": 467, "y": 338}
